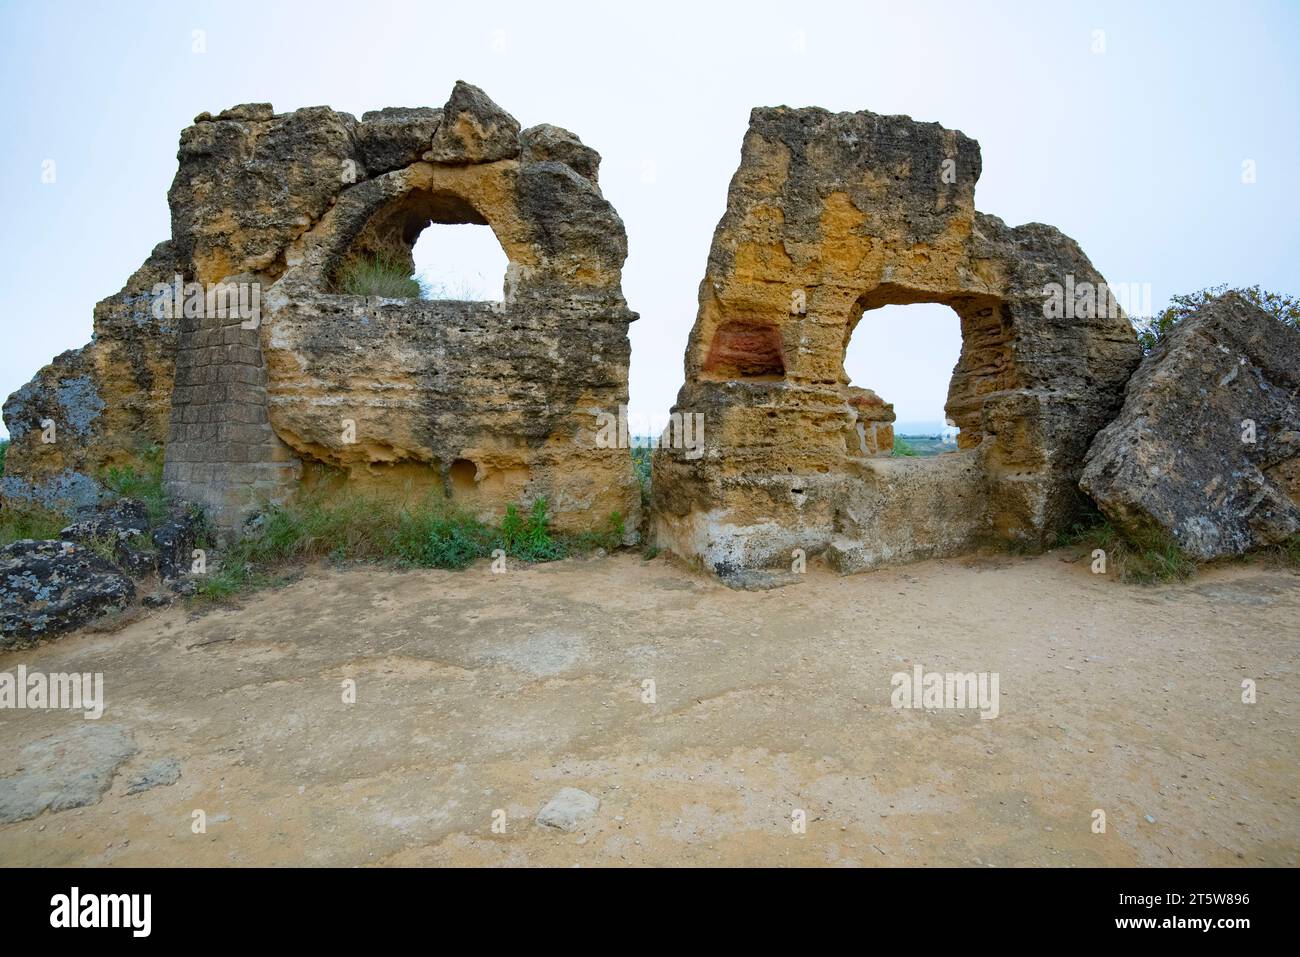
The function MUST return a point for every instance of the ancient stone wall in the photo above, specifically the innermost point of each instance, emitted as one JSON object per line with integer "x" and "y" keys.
{"x": 828, "y": 217}
{"x": 487, "y": 403}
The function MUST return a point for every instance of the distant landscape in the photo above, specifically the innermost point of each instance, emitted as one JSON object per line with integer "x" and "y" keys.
{"x": 923, "y": 444}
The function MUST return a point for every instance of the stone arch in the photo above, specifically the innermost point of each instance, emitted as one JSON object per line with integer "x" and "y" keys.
{"x": 829, "y": 217}
{"x": 386, "y": 216}
{"x": 400, "y": 395}
{"x": 393, "y": 232}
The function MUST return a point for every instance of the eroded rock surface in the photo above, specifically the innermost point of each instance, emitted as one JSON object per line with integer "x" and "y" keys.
{"x": 66, "y": 770}
{"x": 1207, "y": 446}
{"x": 161, "y": 773}
{"x": 829, "y": 217}
{"x": 97, "y": 406}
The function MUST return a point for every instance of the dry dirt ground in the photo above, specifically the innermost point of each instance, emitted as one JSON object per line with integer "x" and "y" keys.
{"x": 479, "y": 693}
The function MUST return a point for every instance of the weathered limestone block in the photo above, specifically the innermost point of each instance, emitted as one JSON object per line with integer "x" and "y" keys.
{"x": 474, "y": 129}
{"x": 395, "y": 136}
{"x": 873, "y": 422}
{"x": 829, "y": 217}
{"x": 544, "y": 142}
{"x": 1207, "y": 446}
{"x": 250, "y": 181}
{"x": 487, "y": 402}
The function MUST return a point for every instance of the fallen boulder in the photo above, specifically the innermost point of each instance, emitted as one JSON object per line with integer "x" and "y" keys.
{"x": 1207, "y": 445}
{"x": 49, "y": 587}
{"x": 123, "y": 528}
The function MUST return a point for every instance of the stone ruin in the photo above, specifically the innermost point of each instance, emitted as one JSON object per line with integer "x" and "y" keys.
{"x": 283, "y": 381}
{"x": 829, "y": 217}
{"x": 292, "y": 383}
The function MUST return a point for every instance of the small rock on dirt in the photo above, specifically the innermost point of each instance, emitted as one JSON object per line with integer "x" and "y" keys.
{"x": 569, "y": 808}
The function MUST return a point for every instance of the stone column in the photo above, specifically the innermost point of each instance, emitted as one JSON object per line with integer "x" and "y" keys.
{"x": 221, "y": 451}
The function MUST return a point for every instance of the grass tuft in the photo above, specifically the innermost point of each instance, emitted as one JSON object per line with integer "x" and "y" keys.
{"x": 430, "y": 533}
{"x": 379, "y": 275}
{"x": 19, "y": 522}
{"x": 141, "y": 481}
{"x": 1144, "y": 557}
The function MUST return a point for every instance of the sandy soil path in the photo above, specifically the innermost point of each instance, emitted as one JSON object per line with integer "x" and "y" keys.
{"x": 479, "y": 693}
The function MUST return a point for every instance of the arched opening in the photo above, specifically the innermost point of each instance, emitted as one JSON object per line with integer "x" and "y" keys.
{"x": 461, "y": 261}
{"x": 899, "y": 361}
{"x": 428, "y": 244}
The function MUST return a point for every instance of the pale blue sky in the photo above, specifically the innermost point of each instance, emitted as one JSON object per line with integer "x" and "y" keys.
{"x": 1135, "y": 152}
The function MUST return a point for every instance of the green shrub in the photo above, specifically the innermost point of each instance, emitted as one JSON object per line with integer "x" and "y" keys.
{"x": 379, "y": 275}
{"x": 641, "y": 469}
{"x": 4, "y": 447}
{"x": 141, "y": 481}
{"x": 530, "y": 539}
{"x": 426, "y": 534}
{"x": 1151, "y": 329}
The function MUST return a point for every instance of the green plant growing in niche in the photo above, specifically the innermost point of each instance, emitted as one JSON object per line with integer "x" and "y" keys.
{"x": 141, "y": 481}
{"x": 379, "y": 275}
